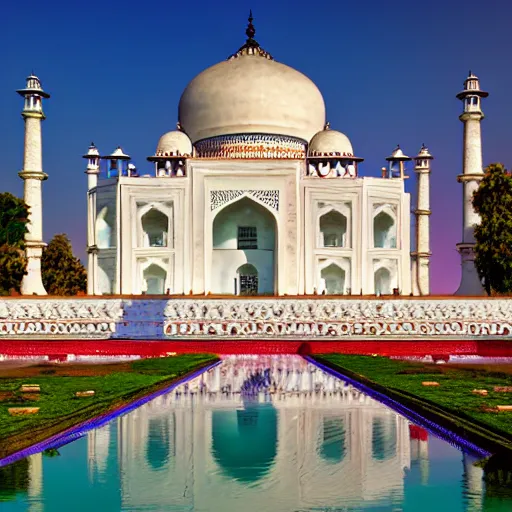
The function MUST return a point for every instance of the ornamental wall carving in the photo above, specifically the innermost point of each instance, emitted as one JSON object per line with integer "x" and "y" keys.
{"x": 82, "y": 318}
{"x": 219, "y": 198}
{"x": 251, "y": 145}
{"x": 255, "y": 318}
{"x": 339, "y": 318}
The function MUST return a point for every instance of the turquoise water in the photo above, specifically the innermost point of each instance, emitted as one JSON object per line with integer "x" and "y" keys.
{"x": 257, "y": 433}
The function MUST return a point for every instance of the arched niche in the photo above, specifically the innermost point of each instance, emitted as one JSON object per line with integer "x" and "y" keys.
{"x": 159, "y": 441}
{"x": 384, "y": 228}
{"x": 384, "y": 434}
{"x": 332, "y": 446}
{"x": 154, "y": 279}
{"x": 333, "y": 277}
{"x": 105, "y": 285}
{"x": 155, "y": 228}
{"x": 243, "y": 232}
{"x": 244, "y": 213}
{"x": 244, "y": 442}
{"x": 383, "y": 281}
{"x": 247, "y": 279}
{"x": 333, "y": 229}
{"x": 105, "y": 228}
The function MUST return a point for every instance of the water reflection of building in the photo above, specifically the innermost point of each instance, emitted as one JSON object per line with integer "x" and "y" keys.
{"x": 419, "y": 451}
{"x": 474, "y": 484}
{"x": 303, "y": 437}
{"x": 24, "y": 477}
{"x": 98, "y": 442}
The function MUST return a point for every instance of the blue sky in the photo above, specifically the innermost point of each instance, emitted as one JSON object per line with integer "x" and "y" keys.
{"x": 388, "y": 70}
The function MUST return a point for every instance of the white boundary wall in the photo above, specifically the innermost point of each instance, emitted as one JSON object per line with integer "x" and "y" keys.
{"x": 255, "y": 318}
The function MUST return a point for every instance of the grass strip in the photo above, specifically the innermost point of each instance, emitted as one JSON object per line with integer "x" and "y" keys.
{"x": 60, "y": 409}
{"x": 451, "y": 405}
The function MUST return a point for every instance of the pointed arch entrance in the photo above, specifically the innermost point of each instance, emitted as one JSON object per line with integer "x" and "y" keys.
{"x": 244, "y": 249}
{"x": 247, "y": 277}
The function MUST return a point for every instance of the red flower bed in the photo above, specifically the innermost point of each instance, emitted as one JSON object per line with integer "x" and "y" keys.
{"x": 58, "y": 350}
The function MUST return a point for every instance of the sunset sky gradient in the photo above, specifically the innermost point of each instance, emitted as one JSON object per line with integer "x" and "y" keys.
{"x": 389, "y": 72}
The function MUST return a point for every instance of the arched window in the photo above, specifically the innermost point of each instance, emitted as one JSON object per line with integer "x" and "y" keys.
{"x": 334, "y": 279}
{"x": 154, "y": 279}
{"x": 384, "y": 438}
{"x": 332, "y": 448}
{"x": 159, "y": 442}
{"x": 247, "y": 280}
{"x": 384, "y": 231}
{"x": 333, "y": 227}
{"x": 383, "y": 282}
{"x": 104, "y": 229}
{"x": 155, "y": 227}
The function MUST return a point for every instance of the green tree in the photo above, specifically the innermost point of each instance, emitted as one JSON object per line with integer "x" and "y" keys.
{"x": 13, "y": 264}
{"x": 493, "y": 250}
{"x": 63, "y": 273}
{"x": 13, "y": 226}
{"x": 13, "y": 220}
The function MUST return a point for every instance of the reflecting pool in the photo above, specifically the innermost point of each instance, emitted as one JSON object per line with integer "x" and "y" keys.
{"x": 255, "y": 433}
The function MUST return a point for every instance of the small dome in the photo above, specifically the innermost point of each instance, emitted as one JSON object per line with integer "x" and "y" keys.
{"x": 330, "y": 143}
{"x": 398, "y": 155}
{"x": 92, "y": 152}
{"x": 424, "y": 153}
{"x": 175, "y": 143}
{"x": 118, "y": 154}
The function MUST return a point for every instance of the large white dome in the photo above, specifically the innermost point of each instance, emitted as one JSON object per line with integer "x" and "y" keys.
{"x": 251, "y": 93}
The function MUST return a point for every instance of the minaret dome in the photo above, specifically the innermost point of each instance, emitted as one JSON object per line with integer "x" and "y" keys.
{"x": 33, "y": 92}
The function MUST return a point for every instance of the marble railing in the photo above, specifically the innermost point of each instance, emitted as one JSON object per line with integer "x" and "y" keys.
{"x": 258, "y": 318}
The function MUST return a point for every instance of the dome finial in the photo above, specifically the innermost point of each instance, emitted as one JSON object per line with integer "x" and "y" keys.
{"x": 327, "y": 126}
{"x": 251, "y": 46}
{"x": 250, "y": 31}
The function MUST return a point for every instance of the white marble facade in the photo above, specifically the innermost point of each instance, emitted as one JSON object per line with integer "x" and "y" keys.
{"x": 311, "y": 235}
{"x": 253, "y": 193}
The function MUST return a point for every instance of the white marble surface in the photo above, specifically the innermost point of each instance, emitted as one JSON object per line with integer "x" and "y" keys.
{"x": 258, "y": 318}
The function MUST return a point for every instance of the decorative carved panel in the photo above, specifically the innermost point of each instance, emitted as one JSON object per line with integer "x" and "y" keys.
{"x": 255, "y": 318}
{"x": 219, "y": 198}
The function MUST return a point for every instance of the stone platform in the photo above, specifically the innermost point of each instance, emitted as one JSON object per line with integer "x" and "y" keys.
{"x": 247, "y": 318}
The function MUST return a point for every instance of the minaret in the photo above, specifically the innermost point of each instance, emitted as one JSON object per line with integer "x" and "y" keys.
{"x": 93, "y": 166}
{"x": 33, "y": 176}
{"x": 472, "y": 173}
{"x": 421, "y": 257}
{"x": 92, "y": 171}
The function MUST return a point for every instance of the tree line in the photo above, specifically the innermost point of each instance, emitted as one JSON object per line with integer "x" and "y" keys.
{"x": 62, "y": 272}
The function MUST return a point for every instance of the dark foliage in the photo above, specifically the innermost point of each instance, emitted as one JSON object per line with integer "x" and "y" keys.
{"x": 493, "y": 250}
{"x": 63, "y": 273}
{"x": 13, "y": 226}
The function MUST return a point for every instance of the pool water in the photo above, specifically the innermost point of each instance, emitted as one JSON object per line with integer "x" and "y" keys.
{"x": 255, "y": 433}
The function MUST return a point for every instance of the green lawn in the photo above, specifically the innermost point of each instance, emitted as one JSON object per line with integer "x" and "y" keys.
{"x": 59, "y": 408}
{"x": 404, "y": 380}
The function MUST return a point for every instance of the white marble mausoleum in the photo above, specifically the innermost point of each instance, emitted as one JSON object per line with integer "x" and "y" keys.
{"x": 253, "y": 193}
